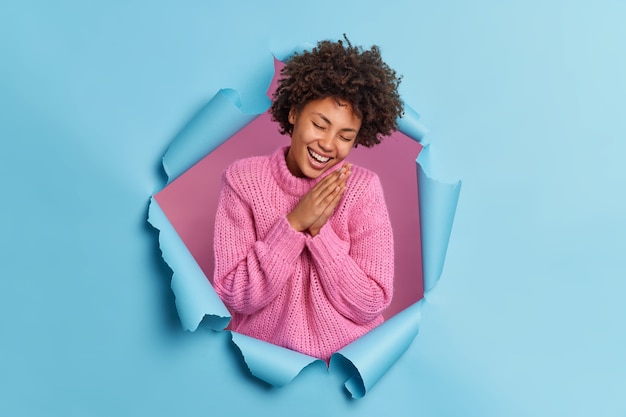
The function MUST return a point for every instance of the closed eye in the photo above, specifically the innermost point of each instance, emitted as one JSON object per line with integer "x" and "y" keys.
{"x": 318, "y": 126}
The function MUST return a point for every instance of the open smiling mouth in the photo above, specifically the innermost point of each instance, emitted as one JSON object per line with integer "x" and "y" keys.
{"x": 317, "y": 157}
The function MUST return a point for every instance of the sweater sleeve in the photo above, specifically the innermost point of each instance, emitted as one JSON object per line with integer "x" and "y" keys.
{"x": 250, "y": 272}
{"x": 357, "y": 276}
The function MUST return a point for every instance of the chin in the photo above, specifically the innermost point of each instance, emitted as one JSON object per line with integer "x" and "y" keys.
{"x": 316, "y": 173}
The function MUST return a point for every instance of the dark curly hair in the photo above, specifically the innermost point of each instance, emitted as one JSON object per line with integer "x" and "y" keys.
{"x": 343, "y": 71}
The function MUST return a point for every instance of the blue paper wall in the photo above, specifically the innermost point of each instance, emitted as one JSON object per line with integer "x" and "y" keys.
{"x": 524, "y": 103}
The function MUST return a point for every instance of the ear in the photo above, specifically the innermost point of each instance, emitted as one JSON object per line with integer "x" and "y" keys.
{"x": 292, "y": 116}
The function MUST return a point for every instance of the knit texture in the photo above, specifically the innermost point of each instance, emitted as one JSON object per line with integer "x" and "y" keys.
{"x": 310, "y": 294}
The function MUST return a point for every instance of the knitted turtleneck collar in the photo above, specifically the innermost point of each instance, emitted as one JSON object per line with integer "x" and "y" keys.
{"x": 287, "y": 181}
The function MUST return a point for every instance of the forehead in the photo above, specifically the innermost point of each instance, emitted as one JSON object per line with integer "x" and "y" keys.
{"x": 332, "y": 107}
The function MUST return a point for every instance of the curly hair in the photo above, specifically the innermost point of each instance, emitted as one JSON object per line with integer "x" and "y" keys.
{"x": 343, "y": 71}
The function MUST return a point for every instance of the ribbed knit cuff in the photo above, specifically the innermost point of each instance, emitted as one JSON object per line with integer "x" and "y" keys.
{"x": 327, "y": 246}
{"x": 285, "y": 242}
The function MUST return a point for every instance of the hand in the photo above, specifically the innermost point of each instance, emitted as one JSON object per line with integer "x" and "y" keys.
{"x": 314, "y": 229}
{"x": 318, "y": 204}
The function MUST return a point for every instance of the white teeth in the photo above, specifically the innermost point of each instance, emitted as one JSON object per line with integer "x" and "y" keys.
{"x": 318, "y": 157}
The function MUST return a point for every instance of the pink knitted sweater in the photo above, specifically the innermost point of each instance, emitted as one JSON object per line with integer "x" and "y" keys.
{"x": 310, "y": 294}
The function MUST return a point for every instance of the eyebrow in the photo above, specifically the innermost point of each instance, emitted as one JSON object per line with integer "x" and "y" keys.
{"x": 324, "y": 118}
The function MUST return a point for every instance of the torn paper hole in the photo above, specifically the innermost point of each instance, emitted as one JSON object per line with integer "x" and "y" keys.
{"x": 184, "y": 213}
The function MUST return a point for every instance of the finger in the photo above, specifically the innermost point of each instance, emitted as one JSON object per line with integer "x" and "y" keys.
{"x": 328, "y": 210}
{"x": 338, "y": 187}
{"x": 329, "y": 184}
{"x": 341, "y": 181}
{"x": 343, "y": 177}
{"x": 332, "y": 199}
{"x": 339, "y": 177}
{"x": 333, "y": 176}
{"x": 345, "y": 170}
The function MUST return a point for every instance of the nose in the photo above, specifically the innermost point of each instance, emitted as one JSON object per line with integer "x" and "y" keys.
{"x": 326, "y": 143}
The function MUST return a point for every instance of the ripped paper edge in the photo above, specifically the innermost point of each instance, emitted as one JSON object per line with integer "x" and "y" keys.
{"x": 366, "y": 359}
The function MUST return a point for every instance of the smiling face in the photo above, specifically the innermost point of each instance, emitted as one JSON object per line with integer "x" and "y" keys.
{"x": 324, "y": 131}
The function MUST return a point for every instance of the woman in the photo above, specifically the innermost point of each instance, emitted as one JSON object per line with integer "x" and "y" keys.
{"x": 303, "y": 242}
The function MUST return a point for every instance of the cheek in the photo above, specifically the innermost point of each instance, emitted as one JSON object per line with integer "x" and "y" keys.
{"x": 305, "y": 136}
{"x": 344, "y": 149}
{"x": 298, "y": 138}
